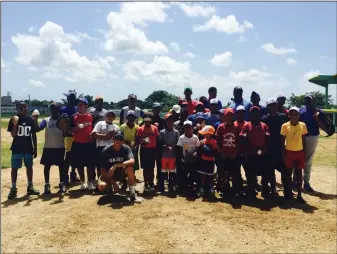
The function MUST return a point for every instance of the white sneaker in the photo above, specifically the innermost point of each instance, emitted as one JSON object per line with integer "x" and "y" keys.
{"x": 136, "y": 199}
{"x": 84, "y": 186}
{"x": 91, "y": 186}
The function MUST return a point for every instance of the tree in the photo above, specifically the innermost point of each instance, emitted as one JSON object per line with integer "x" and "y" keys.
{"x": 298, "y": 100}
{"x": 166, "y": 99}
{"x": 64, "y": 101}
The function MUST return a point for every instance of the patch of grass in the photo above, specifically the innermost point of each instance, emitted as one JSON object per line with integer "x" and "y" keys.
{"x": 326, "y": 152}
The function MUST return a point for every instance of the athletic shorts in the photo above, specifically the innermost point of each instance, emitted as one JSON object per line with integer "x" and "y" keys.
{"x": 227, "y": 165}
{"x": 147, "y": 158}
{"x": 206, "y": 168}
{"x": 98, "y": 155}
{"x": 18, "y": 157}
{"x": 68, "y": 142}
{"x": 276, "y": 161}
{"x": 295, "y": 159}
{"x": 52, "y": 156}
{"x": 83, "y": 155}
{"x": 168, "y": 165}
{"x": 257, "y": 164}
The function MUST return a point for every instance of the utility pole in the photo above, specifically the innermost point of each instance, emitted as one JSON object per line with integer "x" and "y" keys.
{"x": 28, "y": 98}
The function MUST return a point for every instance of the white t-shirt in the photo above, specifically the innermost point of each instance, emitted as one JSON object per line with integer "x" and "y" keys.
{"x": 103, "y": 128}
{"x": 188, "y": 144}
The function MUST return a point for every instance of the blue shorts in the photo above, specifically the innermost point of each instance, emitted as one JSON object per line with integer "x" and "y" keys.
{"x": 18, "y": 157}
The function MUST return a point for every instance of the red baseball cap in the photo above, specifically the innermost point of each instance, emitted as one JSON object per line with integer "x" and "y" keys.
{"x": 168, "y": 115}
{"x": 228, "y": 111}
{"x": 254, "y": 107}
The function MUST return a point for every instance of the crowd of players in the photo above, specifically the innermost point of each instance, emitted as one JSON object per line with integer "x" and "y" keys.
{"x": 198, "y": 148}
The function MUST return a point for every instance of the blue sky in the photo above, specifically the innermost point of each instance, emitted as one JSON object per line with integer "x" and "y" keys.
{"x": 114, "y": 49}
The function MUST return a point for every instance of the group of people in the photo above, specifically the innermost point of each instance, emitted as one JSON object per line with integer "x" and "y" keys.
{"x": 198, "y": 148}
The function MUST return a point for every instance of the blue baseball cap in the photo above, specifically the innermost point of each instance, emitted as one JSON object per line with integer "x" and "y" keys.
{"x": 199, "y": 115}
{"x": 83, "y": 100}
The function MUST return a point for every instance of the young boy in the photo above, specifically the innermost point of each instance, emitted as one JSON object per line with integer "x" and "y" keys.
{"x": 168, "y": 139}
{"x": 53, "y": 150}
{"x": 208, "y": 152}
{"x": 187, "y": 157}
{"x": 147, "y": 136}
{"x": 83, "y": 147}
{"x": 227, "y": 138}
{"x": 255, "y": 134}
{"x": 103, "y": 133}
{"x": 24, "y": 147}
{"x": 179, "y": 125}
{"x": 293, "y": 133}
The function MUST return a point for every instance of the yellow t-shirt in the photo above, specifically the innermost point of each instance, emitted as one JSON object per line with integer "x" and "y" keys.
{"x": 293, "y": 135}
{"x": 129, "y": 134}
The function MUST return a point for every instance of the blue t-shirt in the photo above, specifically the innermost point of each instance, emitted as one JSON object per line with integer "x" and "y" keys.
{"x": 211, "y": 118}
{"x": 306, "y": 116}
{"x": 244, "y": 103}
{"x": 206, "y": 104}
{"x": 193, "y": 118}
{"x": 69, "y": 110}
{"x": 216, "y": 126}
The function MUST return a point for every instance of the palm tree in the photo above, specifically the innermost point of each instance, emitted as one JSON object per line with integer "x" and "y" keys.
{"x": 64, "y": 101}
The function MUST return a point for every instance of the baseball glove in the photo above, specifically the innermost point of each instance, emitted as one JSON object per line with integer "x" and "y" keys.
{"x": 63, "y": 123}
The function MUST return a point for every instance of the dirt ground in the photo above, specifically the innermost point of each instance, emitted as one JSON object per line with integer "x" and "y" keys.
{"x": 81, "y": 222}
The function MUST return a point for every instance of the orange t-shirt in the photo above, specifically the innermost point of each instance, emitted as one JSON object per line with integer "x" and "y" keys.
{"x": 148, "y": 132}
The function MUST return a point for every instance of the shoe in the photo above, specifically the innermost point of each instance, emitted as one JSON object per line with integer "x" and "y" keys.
{"x": 152, "y": 188}
{"x": 146, "y": 188}
{"x": 47, "y": 189}
{"x": 62, "y": 188}
{"x": 13, "y": 193}
{"x": 308, "y": 188}
{"x": 91, "y": 186}
{"x": 300, "y": 200}
{"x": 202, "y": 192}
{"x": 124, "y": 187}
{"x": 32, "y": 191}
{"x": 74, "y": 178}
{"x": 136, "y": 199}
{"x": 84, "y": 186}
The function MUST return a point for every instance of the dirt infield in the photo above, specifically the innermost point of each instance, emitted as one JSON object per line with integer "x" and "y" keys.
{"x": 81, "y": 222}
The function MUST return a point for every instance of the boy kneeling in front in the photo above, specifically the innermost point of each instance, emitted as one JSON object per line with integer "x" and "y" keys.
{"x": 116, "y": 164}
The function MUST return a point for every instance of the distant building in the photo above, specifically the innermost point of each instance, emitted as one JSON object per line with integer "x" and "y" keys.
{"x": 6, "y": 100}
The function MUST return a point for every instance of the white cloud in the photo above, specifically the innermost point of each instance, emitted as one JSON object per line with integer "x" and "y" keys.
{"x": 36, "y": 83}
{"x": 131, "y": 77}
{"x": 31, "y": 29}
{"x": 86, "y": 36}
{"x": 175, "y": 45}
{"x": 242, "y": 39}
{"x": 291, "y": 61}
{"x": 197, "y": 9}
{"x": 123, "y": 35}
{"x": 270, "y": 48}
{"x": 190, "y": 55}
{"x": 52, "y": 52}
{"x": 310, "y": 74}
{"x": 228, "y": 25}
{"x": 223, "y": 59}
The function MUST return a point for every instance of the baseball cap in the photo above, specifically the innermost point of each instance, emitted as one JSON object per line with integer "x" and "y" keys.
{"x": 238, "y": 88}
{"x": 119, "y": 135}
{"x": 208, "y": 129}
{"x": 156, "y": 105}
{"x": 222, "y": 111}
{"x": 176, "y": 109}
{"x": 132, "y": 96}
{"x": 309, "y": 96}
{"x": 228, "y": 111}
{"x": 54, "y": 104}
{"x": 199, "y": 103}
{"x": 167, "y": 116}
{"x": 110, "y": 112}
{"x": 83, "y": 100}
{"x": 130, "y": 113}
{"x": 213, "y": 102}
{"x": 254, "y": 108}
{"x": 99, "y": 97}
{"x": 187, "y": 122}
{"x": 281, "y": 97}
{"x": 271, "y": 101}
{"x": 240, "y": 108}
{"x": 71, "y": 93}
{"x": 199, "y": 115}
{"x": 295, "y": 109}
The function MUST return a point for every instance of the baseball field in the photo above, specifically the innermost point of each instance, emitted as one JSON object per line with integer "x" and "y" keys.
{"x": 81, "y": 222}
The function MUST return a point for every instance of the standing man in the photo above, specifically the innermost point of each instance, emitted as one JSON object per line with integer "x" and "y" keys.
{"x": 24, "y": 148}
{"x": 212, "y": 94}
{"x": 238, "y": 100}
{"x": 156, "y": 118}
{"x": 281, "y": 100}
{"x": 132, "y": 100}
{"x": 98, "y": 112}
{"x": 255, "y": 100}
{"x": 191, "y": 104}
{"x": 212, "y": 117}
{"x": 69, "y": 110}
{"x": 313, "y": 119}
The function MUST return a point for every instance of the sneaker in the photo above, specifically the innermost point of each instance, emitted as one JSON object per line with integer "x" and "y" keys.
{"x": 13, "y": 193}
{"x": 91, "y": 186}
{"x": 300, "y": 200}
{"x": 136, "y": 199}
{"x": 62, "y": 188}
{"x": 152, "y": 188}
{"x": 84, "y": 186}
{"x": 146, "y": 188}
{"x": 308, "y": 188}
{"x": 202, "y": 192}
{"x": 32, "y": 191}
{"x": 47, "y": 189}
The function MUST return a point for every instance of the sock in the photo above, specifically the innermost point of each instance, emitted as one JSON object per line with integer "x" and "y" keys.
{"x": 13, "y": 185}
{"x": 132, "y": 190}
{"x": 30, "y": 183}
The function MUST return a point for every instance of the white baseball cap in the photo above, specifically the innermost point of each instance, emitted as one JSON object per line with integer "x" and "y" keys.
{"x": 295, "y": 109}
{"x": 213, "y": 102}
{"x": 271, "y": 101}
{"x": 176, "y": 108}
{"x": 240, "y": 108}
{"x": 188, "y": 123}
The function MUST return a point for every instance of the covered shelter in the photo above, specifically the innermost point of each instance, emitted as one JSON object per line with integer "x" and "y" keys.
{"x": 324, "y": 81}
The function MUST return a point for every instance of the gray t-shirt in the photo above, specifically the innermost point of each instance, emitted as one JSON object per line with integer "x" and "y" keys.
{"x": 53, "y": 136}
{"x": 99, "y": 115}
{"x": 169, "y": 138}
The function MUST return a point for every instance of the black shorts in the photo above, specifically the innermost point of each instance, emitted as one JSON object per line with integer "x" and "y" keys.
{"x": 258, "y": 164}
{"x": 83, "y": 155}
{"x": 276, "y": 161}
{"x": 147, "y": 158}
{"x": 52, "y": 156}
{"x": 206, "y": 168}
{"x": 228, "y": 165}
{"x": 98, "y": 156}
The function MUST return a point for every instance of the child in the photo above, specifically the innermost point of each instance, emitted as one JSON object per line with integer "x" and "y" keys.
{"x": 179, "y": 125}
{"x": 187, "y": 157}
{"x": 255, "y": 134}
{"x": 53, "y": 150}
{"x": 147, "y": 136}
{"x": 208, "y": 152}
{"x": 293, "y": 133}
{"x": 227, "y": 138}
{"x": 168, "y": 139}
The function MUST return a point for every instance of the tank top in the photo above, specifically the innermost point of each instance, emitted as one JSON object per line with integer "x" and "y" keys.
{"x": 53, "y": 135}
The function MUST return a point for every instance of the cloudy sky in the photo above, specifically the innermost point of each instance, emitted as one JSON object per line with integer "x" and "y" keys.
{"x": 113, "y": 49}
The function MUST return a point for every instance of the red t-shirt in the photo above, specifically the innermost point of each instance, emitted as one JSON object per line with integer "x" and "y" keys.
{"x": 241, "y": 147}
{"x": 81, "y": 135}
{"x": 256, "y": 135}
{"x": 209, "y": 154}
{"x": 148, "y": 132}
{"x": 284, "y": 111}
{"x": 227, "y": 137}
{"x": 191, "y": 105}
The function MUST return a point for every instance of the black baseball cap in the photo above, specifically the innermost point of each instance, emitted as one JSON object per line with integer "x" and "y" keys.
{"x": 156, "y": 105}
{"x": 54, "y": 104}
{"x": 238, "y": 88}
{"x": 132, "y": 96}
{"x": 118, "y": 135}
